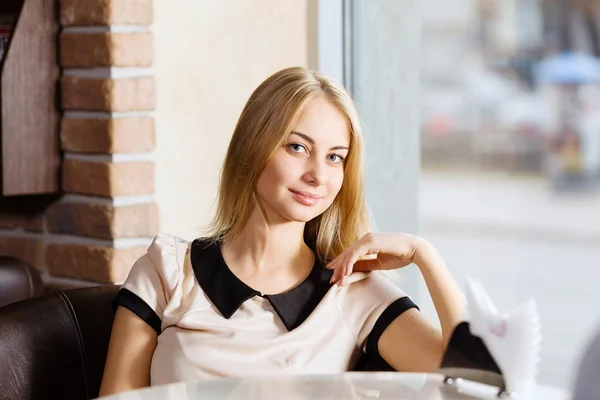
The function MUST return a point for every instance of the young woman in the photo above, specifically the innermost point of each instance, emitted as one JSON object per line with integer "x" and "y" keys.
{"x": 284, "y": 283}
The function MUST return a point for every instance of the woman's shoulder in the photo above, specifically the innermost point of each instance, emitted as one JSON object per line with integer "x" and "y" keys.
{"x": 165, "y": 249}
{"x": 376, "y": 285}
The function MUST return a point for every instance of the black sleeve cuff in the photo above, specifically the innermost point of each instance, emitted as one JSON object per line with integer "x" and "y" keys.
{"x": 385, "y": 319}
{"x": 139, "y": 307}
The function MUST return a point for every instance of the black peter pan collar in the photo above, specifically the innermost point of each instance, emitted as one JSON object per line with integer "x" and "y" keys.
{"x": 227, "y": 292}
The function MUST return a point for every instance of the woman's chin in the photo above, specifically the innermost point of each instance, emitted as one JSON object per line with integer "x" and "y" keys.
{"x": 299, "y": 215}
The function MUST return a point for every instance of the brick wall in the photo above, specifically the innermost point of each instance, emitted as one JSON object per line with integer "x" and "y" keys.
{"x": 106, "y": 216}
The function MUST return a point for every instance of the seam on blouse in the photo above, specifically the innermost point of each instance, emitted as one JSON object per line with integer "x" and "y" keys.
{"x": 137, "y": 305}
{"x": 172, "y": 290}
{"x": 275, "y": 369}
{"x": 354, "y": 336}
{"x": 162, "y": 274}
{"x": 178, "y": 277}
{"x": 389, "y": 301}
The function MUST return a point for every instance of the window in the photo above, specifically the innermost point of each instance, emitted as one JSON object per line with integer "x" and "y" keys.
{"x": 482, "y": 125}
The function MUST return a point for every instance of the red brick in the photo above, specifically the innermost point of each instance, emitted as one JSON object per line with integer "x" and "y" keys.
{"x": 103, "y": 220}
{"x": 107, "y": 94}
{"x": 28, "y": 249}
{"x": 108, "y": 178}
{"x": 106, "y": 49}
{"x": 92, "y": 263}
{"x": 118, "y": 135}
{"x": 106, "y": 12}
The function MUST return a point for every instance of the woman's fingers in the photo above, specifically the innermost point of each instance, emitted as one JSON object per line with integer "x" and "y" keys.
{"x": 343, "y": 265}
{"x": 342, "y": 270}
{"x": 339, "y": 271}
{"x": 334, "y": 276}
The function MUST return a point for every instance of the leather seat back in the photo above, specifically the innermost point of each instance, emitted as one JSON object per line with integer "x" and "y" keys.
{"x": 54, "y": 346}
{"x": 18, "y": 281}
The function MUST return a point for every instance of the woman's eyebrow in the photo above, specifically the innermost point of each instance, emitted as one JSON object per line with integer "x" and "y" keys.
{"x": 303, "y": 136}
{"x": 312, "y": 141}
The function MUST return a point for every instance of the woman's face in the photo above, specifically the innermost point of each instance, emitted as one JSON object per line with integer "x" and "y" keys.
{"x": 303, "y": 177}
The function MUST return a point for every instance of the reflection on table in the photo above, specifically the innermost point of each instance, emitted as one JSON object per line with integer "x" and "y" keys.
{"x": 351, "y": 385}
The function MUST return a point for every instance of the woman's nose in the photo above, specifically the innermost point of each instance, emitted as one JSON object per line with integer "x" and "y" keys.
{"x": 316, "y": 174}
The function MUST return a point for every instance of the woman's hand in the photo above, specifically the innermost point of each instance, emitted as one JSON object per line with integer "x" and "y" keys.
{"x": 377, "y": 251}
{"x": 392, "y": 251}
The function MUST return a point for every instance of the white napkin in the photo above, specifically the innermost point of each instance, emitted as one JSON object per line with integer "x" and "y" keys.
{"x": 513, "y": 339}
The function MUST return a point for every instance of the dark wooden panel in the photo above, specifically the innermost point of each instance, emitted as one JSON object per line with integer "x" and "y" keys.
{"x": 10, "y": 6}
{"x": 26, "y": 205}
{"x": 29, "y": 105}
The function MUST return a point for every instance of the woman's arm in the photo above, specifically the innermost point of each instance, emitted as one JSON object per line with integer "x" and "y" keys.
{"x": 410, "y": 343}
{"x": 447, "y": 298}
{"x": 132, "y": 344}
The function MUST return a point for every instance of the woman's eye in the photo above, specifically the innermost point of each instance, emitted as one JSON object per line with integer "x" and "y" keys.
{"x": 336, "y": 158}
{"x": 297, "y": 148}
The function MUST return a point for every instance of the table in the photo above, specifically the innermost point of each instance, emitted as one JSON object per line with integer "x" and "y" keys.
{"x": 350, "y": 386}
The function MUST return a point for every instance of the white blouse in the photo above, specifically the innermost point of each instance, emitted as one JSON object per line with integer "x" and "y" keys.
{"x": 211, "y": 325}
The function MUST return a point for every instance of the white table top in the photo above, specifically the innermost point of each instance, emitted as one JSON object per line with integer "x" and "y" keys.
{"x": 351, "y": 385}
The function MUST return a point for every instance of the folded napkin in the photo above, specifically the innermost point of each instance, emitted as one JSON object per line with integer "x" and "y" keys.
{"x": 500, "y": 349}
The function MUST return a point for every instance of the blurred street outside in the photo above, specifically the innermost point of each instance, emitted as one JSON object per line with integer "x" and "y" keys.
{"x": 523, "y": 241}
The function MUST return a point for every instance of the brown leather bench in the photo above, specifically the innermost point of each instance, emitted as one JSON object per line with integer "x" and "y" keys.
{"x": 54, "y": 346}
{"x": 18, "y": 280}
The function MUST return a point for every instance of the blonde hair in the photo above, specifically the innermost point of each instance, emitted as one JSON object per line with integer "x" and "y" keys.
{"x": 267, "y": 119}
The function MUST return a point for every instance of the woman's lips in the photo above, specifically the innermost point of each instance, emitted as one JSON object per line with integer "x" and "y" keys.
{"x": 306, "y": 198}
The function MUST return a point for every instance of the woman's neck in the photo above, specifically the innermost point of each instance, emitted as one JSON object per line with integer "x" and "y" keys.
{"x": 267, "y": 248}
